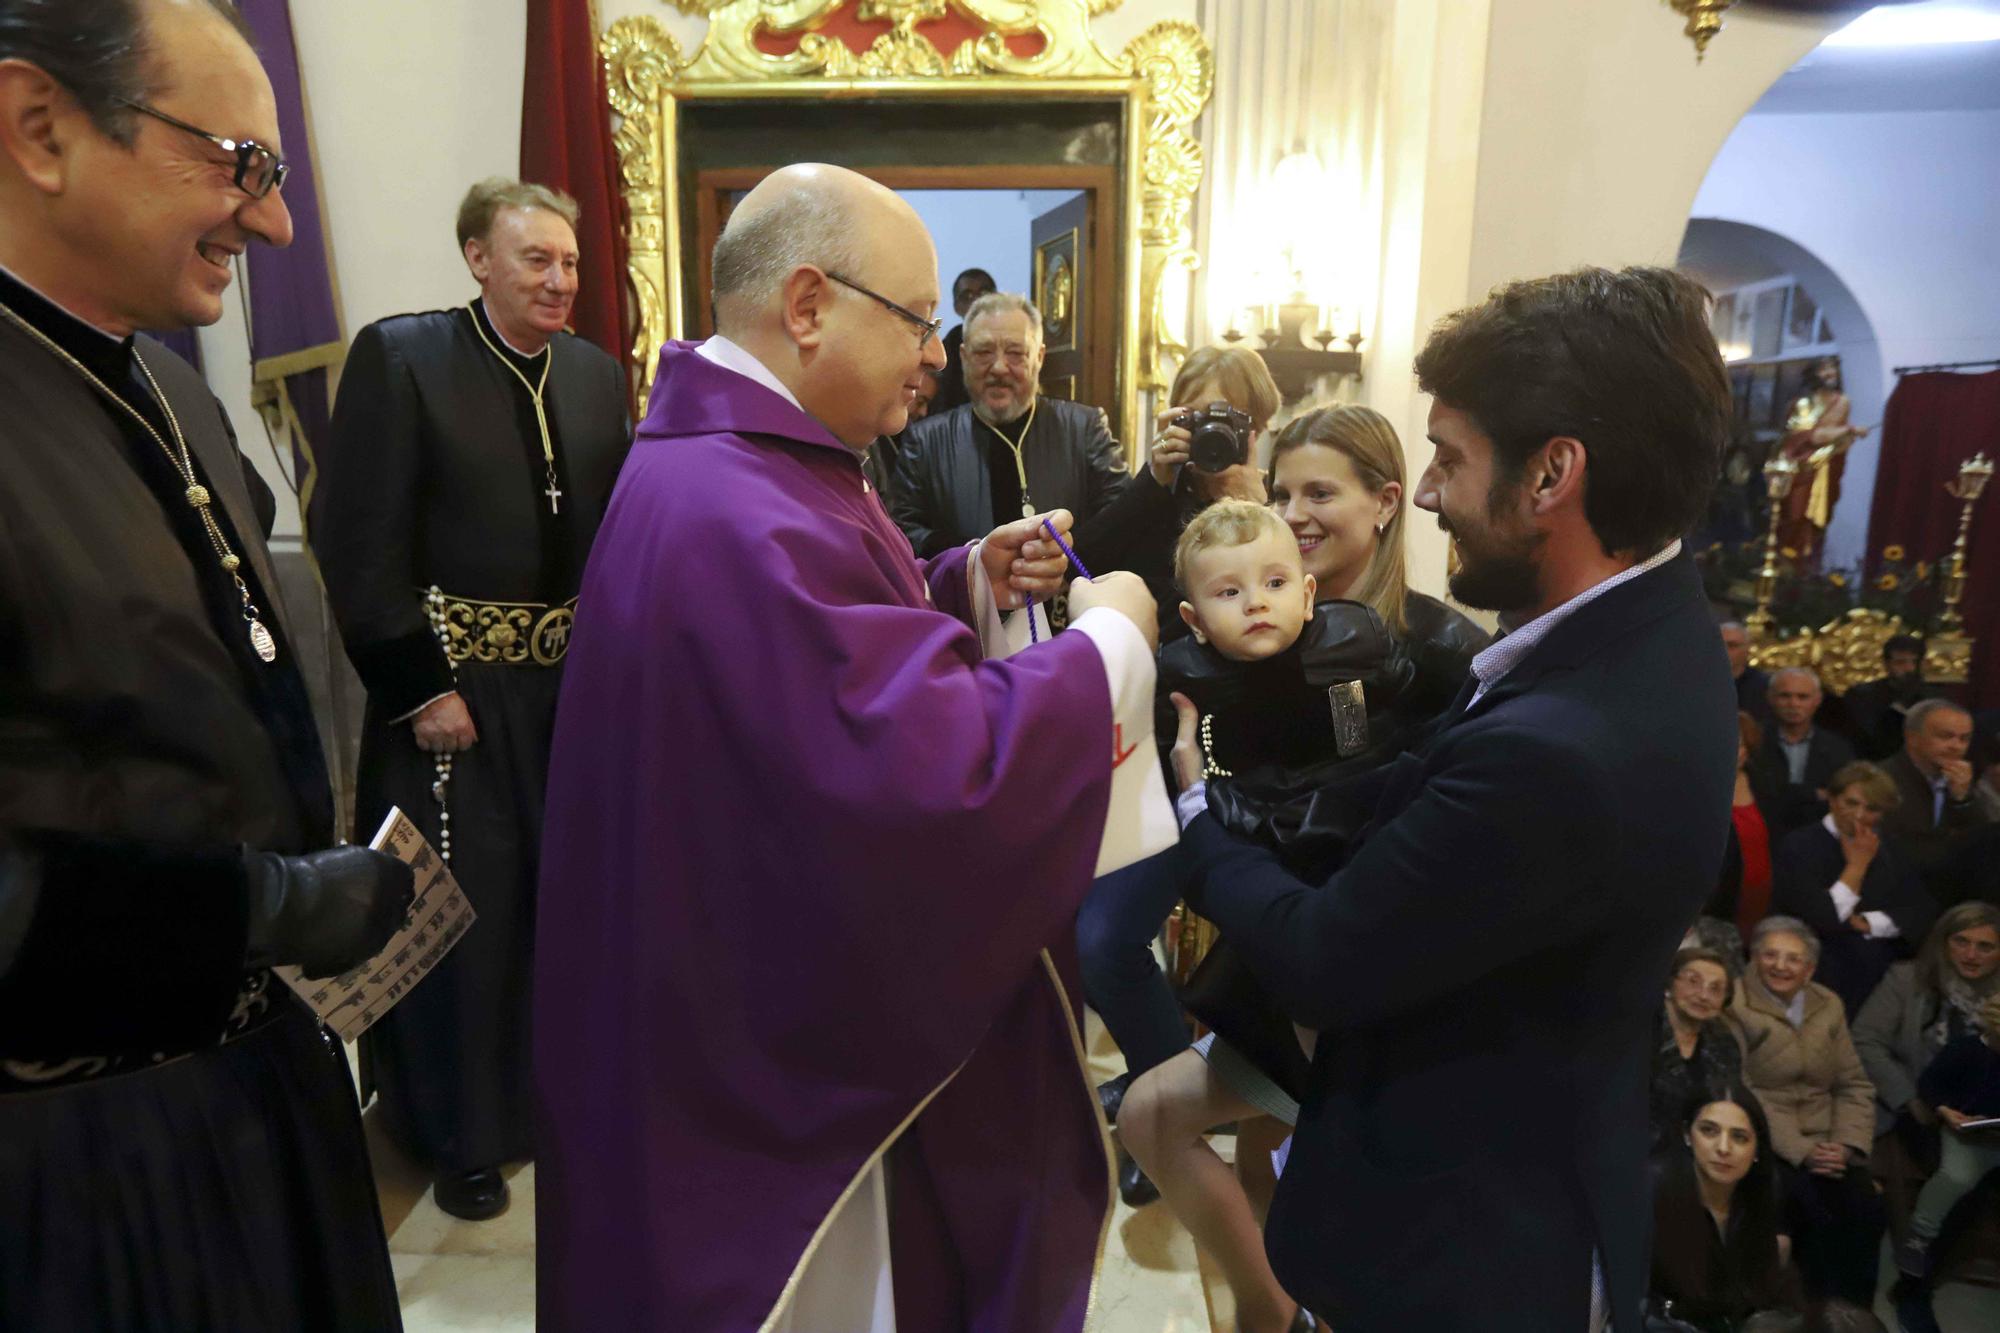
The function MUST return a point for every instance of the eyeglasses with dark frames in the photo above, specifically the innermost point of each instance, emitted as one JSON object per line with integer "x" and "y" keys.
{"x": 258, "y": 170}
{"x": 930, "y": 327}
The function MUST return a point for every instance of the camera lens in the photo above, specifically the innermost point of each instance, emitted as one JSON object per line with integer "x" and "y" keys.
{"x": 1214, "y": 446}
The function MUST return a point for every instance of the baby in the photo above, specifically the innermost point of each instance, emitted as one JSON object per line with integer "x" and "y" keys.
{"x": 1297, "y": 702}
{"x": 1297, "y": 708}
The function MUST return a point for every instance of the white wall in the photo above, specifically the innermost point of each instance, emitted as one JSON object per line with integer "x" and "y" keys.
{"x": 409, "y": 104}
{"x": 986, "y": 229}
{"x": 1899, "y": 206}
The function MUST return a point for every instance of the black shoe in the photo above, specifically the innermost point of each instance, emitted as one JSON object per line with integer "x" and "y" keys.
{"x": 1134, "y": 1186}
{"x": 1111, "y": 1096}
{"x": 472, "y": 1195}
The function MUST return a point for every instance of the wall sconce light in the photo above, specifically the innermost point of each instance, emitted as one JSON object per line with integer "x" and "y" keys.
{"x": 1296, "y": 341}
{"x": 1297, "y": 259}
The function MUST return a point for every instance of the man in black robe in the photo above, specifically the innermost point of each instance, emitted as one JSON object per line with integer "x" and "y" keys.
{"x": 471, "y": 456}
{"x": 180, "y": 1145}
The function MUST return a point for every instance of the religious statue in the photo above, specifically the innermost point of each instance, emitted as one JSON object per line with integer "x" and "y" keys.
{"x": 1817, "y": 437}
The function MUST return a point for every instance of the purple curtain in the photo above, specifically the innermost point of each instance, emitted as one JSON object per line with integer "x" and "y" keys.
{"x": 295, "y": 333}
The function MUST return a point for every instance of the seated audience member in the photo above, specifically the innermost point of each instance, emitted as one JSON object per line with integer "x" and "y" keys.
{"x": 1798, "y": 755}
{"x": 1137, "y": 531}
{"x": 1938, "y": 817}
{"x": 1963, "y": 1084}
{"x": 1009, "y": 452}
{"x": 1695, "y": 1046}
{"x": 1720, "y": 1252}
{"x": 879, "y": 463}
{"x": 1753, "y": 687}
{"x": 1853, "y": 885}
{"x": 966, "y": 288}
{"x": 1743, "y": 891}
{"x": 1799, "y": 1059}
{"x": 1920, "y": 1006}
{"x": 1876, "y": 708}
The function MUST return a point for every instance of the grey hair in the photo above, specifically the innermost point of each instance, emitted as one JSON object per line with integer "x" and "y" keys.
{"x": 99, "y": 50}
{"x": 756, "y": 253}
{"x": 1913, "y": 721}
{"x": 1784, "y": 925}
{"x": 1005, "y": 303}
{"x": 1807, "y": 672}
{"x": 1732, "y": 624}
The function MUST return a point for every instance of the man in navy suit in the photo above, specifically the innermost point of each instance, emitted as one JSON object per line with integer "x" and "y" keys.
{"x": 1471, "y": 1152}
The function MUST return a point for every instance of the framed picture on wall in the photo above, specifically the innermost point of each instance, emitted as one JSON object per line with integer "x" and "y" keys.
{"x": 1763, "y": 395}
{"x": 1801, "y": 320}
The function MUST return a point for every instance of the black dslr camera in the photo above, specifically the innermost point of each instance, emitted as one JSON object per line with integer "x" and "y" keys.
{"x": 1219, "y": 436}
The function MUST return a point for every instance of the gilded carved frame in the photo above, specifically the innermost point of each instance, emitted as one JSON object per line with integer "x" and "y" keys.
{"x": 1164, "y": 77}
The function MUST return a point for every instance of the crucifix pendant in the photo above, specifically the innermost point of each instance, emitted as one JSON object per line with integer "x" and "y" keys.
{"x": 554, "y": 493}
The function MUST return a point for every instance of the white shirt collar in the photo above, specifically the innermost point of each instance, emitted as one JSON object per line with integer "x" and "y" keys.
{"x": 1831, "y": 827}
{"x": 731, "y": 356}
{"x": 1506, "y": 652}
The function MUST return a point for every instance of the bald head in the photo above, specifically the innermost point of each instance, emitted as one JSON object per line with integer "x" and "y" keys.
{"x": 807, "y": 213}
{"x": 830, "y": 281}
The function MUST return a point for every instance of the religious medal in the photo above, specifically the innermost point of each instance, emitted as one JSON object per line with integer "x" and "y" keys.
{"x": 261, "y": 640}
{"x": 1349, "y": 704}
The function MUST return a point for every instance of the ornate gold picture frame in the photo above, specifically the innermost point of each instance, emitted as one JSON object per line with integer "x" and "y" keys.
{"x": 775, "y": 50}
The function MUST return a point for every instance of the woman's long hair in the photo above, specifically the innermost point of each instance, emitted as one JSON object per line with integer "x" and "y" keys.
{"x": 1750, "y": 1276}
{"x": 1934, "y": 969}
{"x": 1370, "y": 444}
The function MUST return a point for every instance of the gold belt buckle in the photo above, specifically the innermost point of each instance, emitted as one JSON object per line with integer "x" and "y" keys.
{"x": 505, "y": 633}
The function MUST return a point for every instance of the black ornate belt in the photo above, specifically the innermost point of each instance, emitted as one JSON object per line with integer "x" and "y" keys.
{"x": 501, "y": 633}
{"x": 260, "y": 1001}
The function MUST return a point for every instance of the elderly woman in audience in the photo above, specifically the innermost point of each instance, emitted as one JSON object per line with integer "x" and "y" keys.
{"x": 1853, "y": 885}
{"x": 1743, "y": 891}
{"x": 1919, "y": 1007}
{"x": 1694, "y": 1046}
{"x": 1799, "y": 1058}
{"x": 1720, "y": 1251}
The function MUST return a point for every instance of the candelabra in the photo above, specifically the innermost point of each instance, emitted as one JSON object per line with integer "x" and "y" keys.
{"x": 1289, "y": 330}
{"x": 1948, "y": 654}
{"x": 1779, "y": 474}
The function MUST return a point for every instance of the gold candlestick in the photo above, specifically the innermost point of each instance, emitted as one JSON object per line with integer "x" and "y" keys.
{"x": 1779, "y": 474}
{"x": 1948, "y": 651}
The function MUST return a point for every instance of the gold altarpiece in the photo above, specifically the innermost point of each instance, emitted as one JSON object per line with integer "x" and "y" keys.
{"x": 1154, "y": 89}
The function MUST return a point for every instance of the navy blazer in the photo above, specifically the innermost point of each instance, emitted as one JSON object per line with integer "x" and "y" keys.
{"x": 1799, "y": 804}
{"x": 1486, "y": 971}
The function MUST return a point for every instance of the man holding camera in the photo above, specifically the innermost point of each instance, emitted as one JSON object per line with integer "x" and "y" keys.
{"x": 1008, "y": 452}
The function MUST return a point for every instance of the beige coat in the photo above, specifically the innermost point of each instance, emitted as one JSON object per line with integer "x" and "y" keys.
{"x": 1810, "y": 1080}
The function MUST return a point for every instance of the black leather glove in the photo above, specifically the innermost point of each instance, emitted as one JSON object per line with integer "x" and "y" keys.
{"x": 325, "y": 911}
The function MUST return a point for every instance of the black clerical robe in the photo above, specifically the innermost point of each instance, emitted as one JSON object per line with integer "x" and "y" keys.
{"x": 179, "y": 1145}
{"x": 435, "y": 476}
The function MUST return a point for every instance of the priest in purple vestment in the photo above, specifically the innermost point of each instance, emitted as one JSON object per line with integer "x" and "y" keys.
{"x": 806, "y": 1042}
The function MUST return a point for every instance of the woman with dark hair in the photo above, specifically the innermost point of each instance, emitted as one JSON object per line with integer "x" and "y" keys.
{"x": 1720, "y": 1253}
{"x": 1694, "y": 1046}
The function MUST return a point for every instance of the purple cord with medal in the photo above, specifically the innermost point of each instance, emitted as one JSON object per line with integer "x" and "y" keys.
{"x": 1067, "y": 550}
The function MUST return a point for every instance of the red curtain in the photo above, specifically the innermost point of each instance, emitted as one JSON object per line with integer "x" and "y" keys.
{"x": 1935, "y": 422}
{"x": 566, "y": 142}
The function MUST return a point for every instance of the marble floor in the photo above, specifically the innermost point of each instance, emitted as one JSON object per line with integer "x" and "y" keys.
{"x": 455, "y": 1275}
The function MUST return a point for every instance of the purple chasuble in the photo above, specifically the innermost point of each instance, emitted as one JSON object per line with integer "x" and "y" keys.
{"x": 809, "y": 875}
